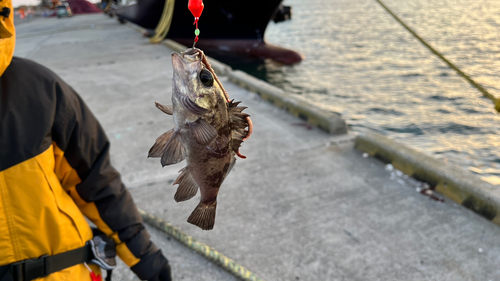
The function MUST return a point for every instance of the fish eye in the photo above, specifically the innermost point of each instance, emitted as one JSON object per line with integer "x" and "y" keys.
{"x": 206, "y": 78}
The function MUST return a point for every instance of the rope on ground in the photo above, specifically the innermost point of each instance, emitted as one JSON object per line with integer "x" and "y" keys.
{"x": 164, "y": 24}
{"x": 202, "y": 248}
{"x": 496, "y": 102}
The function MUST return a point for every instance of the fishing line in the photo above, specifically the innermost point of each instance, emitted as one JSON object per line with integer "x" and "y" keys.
{"x": 196, "y": 8}
{"x": 196, "y": 31}
{"x": 496, "y": 102}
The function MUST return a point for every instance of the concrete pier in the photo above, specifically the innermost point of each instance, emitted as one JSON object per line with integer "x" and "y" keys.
{"x": 304, "y": 205}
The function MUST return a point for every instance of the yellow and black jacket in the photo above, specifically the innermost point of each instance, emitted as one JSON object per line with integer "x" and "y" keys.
{"x": 55, "y": 171}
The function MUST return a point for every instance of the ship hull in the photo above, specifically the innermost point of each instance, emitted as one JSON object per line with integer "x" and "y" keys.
{"x": 225, "y": 26}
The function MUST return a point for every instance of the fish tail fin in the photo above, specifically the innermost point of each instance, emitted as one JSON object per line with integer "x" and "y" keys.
{"x": 204, "y": 215}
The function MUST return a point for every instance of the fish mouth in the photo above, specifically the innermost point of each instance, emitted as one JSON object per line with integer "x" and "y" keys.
{"x": 192, "y": 51}
{"x": 190, "y": 55}
{"x": 181, "y": 61}
{"x": 178, "y": 62}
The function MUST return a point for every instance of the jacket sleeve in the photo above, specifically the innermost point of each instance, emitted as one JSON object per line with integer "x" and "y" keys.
{"x": 98, "y": 190}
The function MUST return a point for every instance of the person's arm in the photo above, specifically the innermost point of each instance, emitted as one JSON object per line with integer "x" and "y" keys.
{"x": 82, "y": 152}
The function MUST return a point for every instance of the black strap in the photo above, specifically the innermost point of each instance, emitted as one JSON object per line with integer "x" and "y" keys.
{"x": 45, "y": 265}
{"x": 109, "y": 273}
{"x": 5, "y": 12}
{"x": 4, "y": 273}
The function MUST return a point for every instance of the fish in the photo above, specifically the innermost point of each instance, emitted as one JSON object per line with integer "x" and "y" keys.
{"x": 209, "y": 130}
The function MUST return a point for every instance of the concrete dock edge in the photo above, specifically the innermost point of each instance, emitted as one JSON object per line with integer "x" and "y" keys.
{"x": 329, "y": 122}
{"x": 459, "y": 185}
{"x": 135, "y": 26}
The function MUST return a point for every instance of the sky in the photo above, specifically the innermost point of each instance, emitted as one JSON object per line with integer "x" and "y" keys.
{"x": 17, "y": 3}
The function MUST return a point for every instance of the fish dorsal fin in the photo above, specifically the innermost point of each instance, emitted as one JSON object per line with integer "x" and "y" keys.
{"x": 238, "y": 122}
{"x": 168, "y": 109}
{"x": 187, "y": 186}
{"x": 238, "y": 119}
{"x": 158, "y": 148}
{"x": 190, "y": 105}
{"x": 202, "y": 131}
{"x": 174, "y": 151}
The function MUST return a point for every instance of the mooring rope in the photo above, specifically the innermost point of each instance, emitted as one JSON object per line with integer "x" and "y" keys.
{"x": 496, "y": 102}
{"x": 163, "y": 25}
{"x": 108, "y": 6}
{"x": 202, "y": 248}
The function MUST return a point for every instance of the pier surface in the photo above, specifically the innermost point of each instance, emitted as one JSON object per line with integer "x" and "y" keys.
{"x": 304, "y": 205}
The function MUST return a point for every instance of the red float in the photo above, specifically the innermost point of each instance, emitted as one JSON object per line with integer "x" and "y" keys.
{"x": 196, "y": 8}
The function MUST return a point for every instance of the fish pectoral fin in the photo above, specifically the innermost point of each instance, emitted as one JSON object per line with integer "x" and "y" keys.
{"x": 204, "y": 215}
{"x": 168, "y": 109}
{"x": 159, "y": 146}
{"x": 202, "y": 131}
{"x": 174, "y": 151}
{"x": 190, "y": 105}
{"x": 187, "y": 186}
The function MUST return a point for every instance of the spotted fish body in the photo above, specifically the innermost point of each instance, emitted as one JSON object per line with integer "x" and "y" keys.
{"x": 209, "y": 129}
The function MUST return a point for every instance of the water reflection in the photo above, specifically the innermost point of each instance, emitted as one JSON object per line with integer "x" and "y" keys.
{"x": 362, "y": 64}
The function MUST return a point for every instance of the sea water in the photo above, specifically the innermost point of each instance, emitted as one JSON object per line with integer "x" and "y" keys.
{"x": 363, "y": 64}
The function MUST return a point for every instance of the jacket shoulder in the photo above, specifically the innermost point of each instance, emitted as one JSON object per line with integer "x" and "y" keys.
{"x": 28, "y": 104}
{"x": 27, "y": 69}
